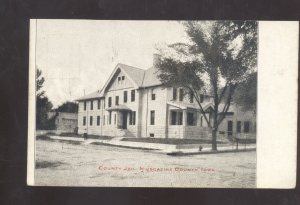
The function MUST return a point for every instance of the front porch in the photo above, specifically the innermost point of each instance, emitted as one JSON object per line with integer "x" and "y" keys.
{"x": 123, "y": 120}
{"x": 185, "y": 121}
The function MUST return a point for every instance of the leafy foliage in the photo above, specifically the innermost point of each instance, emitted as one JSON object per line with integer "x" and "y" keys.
{"x": 70, "y": 107}
{"x": 219, "y": 52}
{"x": 246, "y": 93}
{"x": 43, "y": 105}
{"x": 39, "y": 83}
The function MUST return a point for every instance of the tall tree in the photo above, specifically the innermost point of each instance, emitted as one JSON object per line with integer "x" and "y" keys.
{"x": 43, "y": 105}
{"x": 70, "y": 107}
{"x": 219, "y": 56}
{"x": 246, "y": 93}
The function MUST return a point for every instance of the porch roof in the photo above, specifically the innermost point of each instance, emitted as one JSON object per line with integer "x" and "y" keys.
{"x": 187, "y": 106}
{"x": 118, "y": 108}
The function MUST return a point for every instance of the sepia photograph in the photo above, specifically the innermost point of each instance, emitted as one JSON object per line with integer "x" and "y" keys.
{"x": 144, "y": 103}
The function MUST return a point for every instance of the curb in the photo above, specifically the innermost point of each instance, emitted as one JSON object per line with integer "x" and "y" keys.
{"x": 180, "y": 153}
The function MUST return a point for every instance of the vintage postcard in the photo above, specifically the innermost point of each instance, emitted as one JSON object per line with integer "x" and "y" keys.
{"x": 163, "y": 103}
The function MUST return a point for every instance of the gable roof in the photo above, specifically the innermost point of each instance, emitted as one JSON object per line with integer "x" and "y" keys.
{"x": 151, "y": 77}
{"x": 136, "y": 74}
{"x": 92, "y": 95}
{"x": 140, "y": 78}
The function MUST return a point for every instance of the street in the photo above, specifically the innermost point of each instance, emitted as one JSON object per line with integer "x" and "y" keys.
{"x": 67, "y": 164}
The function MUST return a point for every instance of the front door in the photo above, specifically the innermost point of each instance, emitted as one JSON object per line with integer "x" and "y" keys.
{"x": 229, "y": 127}
{"x": 124, "y": 125}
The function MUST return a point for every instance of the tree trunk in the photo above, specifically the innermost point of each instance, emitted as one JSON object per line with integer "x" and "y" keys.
{"x": 214, "y": 140}
{"x": 215, "y": 128}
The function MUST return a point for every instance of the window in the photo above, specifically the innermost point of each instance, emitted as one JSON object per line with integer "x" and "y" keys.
{"x": 103, "y": 119}
{"x": 98, "y": 120}
{"x": 151, "y": 135}
{"x": 174, "y": 93}
{"x": 132, "y": 118}
{"x": 239, "y": 126}
{"x": 92, "y": 105}
{"x": 117, "y": 100}
{"x": 173, "y": 117}
{"x": 84, "y": 121}
{"x": 180, "y": 94}
{"x": 125, "y": 96}
{"x": 119, "y": 79}
{"x": 152, "y": 117}
{"x": 246, "y": 126}
{"x": 109, "y": 118}
{"x": 91, "y": 120}
{"x": 191, "y": 97}
{"x": 201, "y": 121}
{"x": 201, "y": 98}
{"x": 84, "y": 105}
{"x": 179, "y": 118}
{"x": 104, "y": 103}
{"x": 176, "y": 118}
{"x": 109, "y": 102}
{"x": 132, "y": 95}
{"x": 153, "y": 96}
{"x": 115, "y": 118}
{"x": 99, "y": 104}
{"x": 123, "y": 77}
{"x": 191, "y": 119}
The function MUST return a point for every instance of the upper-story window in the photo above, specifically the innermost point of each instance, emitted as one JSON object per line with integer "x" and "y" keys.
{"x": 174, "y": 93}
{"x": 180, "y": 94}
{"x": 84, "y": 105}
{"x": 125, "y": 96}
{"x": 152, "y": 96}
{"x": 191, "y": 97}
{"x": 91, "y": 104}
{"x": 109, "y": 102}
{"x": 99, "y": 104}
{"x": 201, "y": 98}
{"x": 117, "y": 100}
{"x": 132, "y": 95}
{"x": 120, "y": 79}
{"x": 104, "y": 103}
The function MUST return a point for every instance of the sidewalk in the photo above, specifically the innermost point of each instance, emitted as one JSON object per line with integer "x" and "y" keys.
{"x": 169, "y": 149}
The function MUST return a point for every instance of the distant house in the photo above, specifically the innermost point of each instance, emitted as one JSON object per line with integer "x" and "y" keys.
{"x": 238, "y": 123}
{"x": 64, "y": 122}
{"x": 134, "y": 103}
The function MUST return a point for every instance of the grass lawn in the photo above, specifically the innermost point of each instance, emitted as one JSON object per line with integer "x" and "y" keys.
{"x": 171, "y": 141}
{"x": 89, "y": 136}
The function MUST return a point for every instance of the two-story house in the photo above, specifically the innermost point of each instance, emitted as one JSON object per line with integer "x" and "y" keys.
{"x": 134, "y": 103}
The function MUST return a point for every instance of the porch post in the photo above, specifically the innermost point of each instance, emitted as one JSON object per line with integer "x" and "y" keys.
{"x": 184, "y": 123}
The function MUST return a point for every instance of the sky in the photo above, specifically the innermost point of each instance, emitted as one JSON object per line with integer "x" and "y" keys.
{"x": 77, "y": 56}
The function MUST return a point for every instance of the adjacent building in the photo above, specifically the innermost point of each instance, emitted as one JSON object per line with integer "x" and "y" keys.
{"x": 64, "y": 122}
